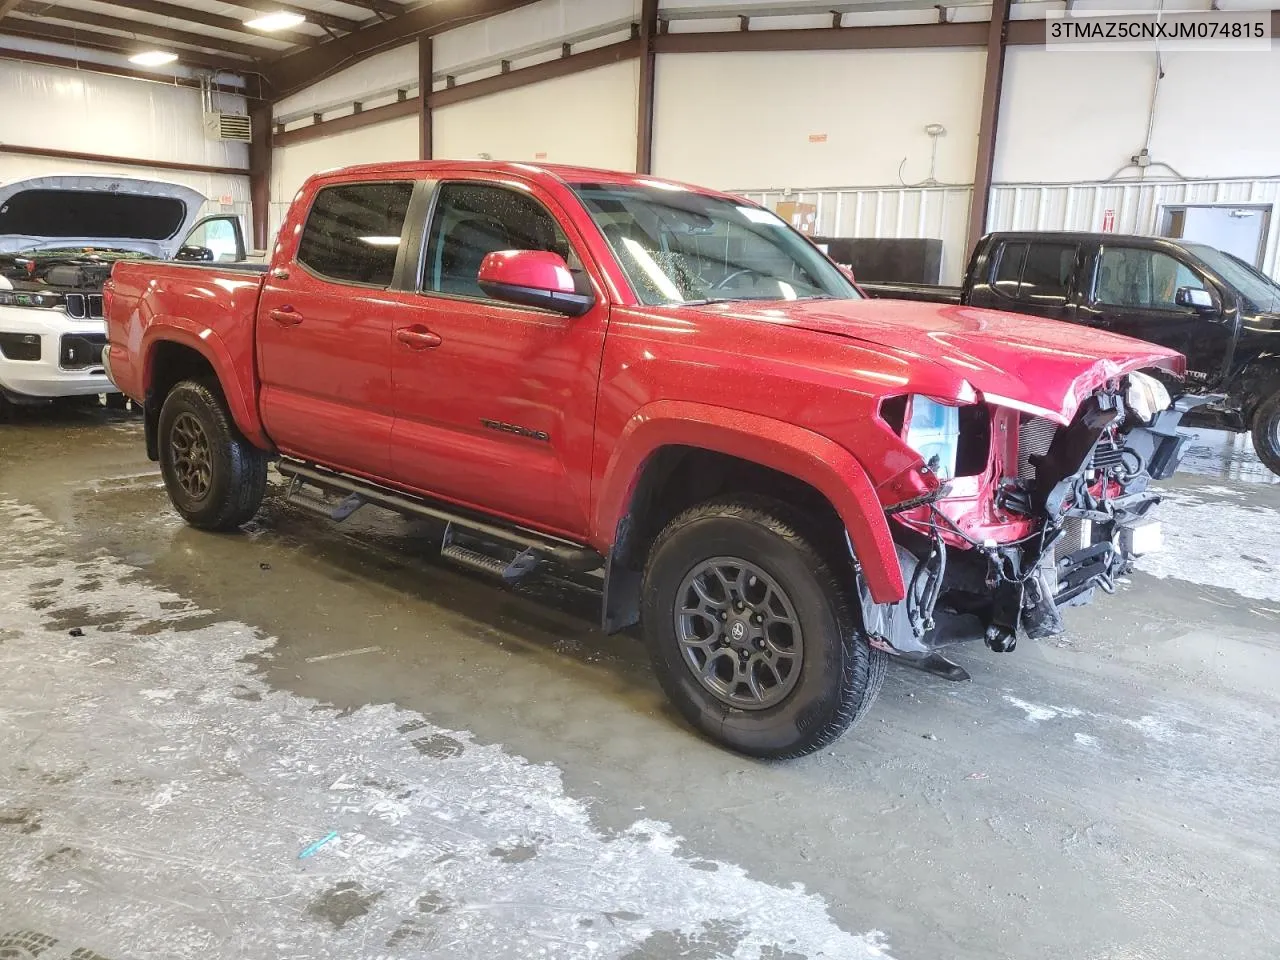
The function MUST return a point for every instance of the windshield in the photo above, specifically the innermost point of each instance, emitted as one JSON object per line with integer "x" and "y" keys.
{"x": 1261, "y": 293}
{"x": 679, "y": 246}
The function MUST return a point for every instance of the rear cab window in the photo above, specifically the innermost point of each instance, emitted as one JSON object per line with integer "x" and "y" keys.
{"x": 353, "y": 232}
{"x": 1038, "y": 272}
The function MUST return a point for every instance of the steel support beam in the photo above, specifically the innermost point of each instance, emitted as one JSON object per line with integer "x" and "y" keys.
{"x": 120, "y": 161}
{"x": 352, "y": 121}
{"x": 426, "y": 57}
{"x": 294, "y": 71}
{"x": 989, "y": 119}
{"x": 379, "y": 6}
{"x": 231, "y": 24}
{"x": 92, "y": 66}
{"x": 260, "y": 150}
{"x": 648, "y": 68}
{"x": 326, "y": 20}
{"x": 138, "y": 28}
{"x": 826, "y": 38}
{"x": 39, "y": 30}
{"x": 549, "y": 70}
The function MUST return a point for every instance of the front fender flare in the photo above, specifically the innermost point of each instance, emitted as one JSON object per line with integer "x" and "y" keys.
{"x": 237, "y": 389}
{"x": 807, "y": 456}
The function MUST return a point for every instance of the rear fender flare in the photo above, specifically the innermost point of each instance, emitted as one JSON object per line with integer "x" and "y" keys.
{"x": 239, "y": 394}
{"x": 787, "y": 448}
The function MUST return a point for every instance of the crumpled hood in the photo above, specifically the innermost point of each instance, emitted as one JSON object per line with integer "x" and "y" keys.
{"x": 1045, "y": 367}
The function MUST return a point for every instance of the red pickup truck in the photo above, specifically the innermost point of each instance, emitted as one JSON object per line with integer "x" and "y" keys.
{"x": 784, "y": 482}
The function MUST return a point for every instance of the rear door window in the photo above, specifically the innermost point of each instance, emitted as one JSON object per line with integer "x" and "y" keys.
{"x": 1038, "y": 273}
{"x": 1046, "y": 276}
{"x": 353, "y": 233}
{"x": 1008, "y": 271}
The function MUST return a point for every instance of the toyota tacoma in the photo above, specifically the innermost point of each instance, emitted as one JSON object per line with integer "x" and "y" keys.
{"x": 784, "y": 483}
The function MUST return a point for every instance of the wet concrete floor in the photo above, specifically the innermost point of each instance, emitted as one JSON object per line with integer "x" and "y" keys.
{"x": 317, "y": 741}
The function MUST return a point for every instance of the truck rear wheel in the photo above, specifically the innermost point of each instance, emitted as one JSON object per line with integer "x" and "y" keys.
{"x": 751, "y": 634}
{"x": 1266, "y": 433}
{"x": 215, "y": 477}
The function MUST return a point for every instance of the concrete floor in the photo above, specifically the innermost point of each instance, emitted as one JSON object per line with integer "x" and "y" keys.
{"x": 183, "y": 715}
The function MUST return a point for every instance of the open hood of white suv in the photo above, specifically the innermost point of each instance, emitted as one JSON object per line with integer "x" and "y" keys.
{"x": 145, "y": 216}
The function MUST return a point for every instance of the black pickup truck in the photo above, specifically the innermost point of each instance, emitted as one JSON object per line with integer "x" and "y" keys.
{"x": 1211, "y": 306}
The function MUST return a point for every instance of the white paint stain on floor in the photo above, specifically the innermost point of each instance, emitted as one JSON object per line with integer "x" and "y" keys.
{"x": 155, "y": 797}
{"x": 1213, "y": 537}
{"x": 1036, "y": 712}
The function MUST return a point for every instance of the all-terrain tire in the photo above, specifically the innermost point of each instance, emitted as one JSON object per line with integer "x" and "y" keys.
{"x": 1266, "y": 432}
{"x": 236, "y": 470}
{"x": 840, "y": 673}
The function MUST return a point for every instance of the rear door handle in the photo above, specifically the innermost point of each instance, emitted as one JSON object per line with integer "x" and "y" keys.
{"x": 418, "y": 338}
{"x": 286, "y": 316}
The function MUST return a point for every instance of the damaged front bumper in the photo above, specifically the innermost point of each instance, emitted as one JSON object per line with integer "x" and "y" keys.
{"x": 1090, "y": 490}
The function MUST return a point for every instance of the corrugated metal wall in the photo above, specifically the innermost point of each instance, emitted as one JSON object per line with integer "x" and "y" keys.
{"x": 934, "y": 212}
{"x": 943, "y": 212}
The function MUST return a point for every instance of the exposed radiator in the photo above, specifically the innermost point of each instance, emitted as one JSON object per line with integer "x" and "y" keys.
{"x": 1077, "y": 533}
{"x": 1106, "y": 454}
{"x": 1035, "y": 434}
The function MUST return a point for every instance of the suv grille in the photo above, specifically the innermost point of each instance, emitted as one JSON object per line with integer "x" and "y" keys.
{"x": 80, "y": 350}
{"x": 84, "y": 306}
{"x": 1035, "y": 434}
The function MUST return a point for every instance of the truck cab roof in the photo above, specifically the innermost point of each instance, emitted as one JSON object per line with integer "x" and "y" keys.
{"x": 563, "y": 173}
{"x": 1080, "y": 236}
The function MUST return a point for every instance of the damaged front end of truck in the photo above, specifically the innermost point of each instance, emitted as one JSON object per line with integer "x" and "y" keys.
{"x": 1029, "y": 511}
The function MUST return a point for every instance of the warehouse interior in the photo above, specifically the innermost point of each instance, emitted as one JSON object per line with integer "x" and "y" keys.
{"x": 313, "y": 739}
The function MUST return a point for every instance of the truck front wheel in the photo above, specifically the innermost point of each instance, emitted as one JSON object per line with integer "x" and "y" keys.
{"x": 751, "y": 634}
{"x": 215, "y": 478}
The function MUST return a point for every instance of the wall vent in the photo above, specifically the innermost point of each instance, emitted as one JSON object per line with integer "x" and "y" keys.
{"x": 228, "y": 126}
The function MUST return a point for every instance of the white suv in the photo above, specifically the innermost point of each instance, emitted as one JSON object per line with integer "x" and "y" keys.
{"x": 59, "y": 237}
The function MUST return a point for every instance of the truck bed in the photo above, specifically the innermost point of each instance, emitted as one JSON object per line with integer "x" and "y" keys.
{"x": 210, "y": 308}
{"x": 925, "y": 292}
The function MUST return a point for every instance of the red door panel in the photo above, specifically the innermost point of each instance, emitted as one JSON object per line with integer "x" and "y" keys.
{"x": 325, "y": 322}
{"x": 495, "y": 405}
{"x": 324, "y": 354}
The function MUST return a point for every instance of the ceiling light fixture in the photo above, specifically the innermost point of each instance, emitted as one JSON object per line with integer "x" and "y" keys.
{"x": 153, "y": 58}
{"x": 270, "y": 22}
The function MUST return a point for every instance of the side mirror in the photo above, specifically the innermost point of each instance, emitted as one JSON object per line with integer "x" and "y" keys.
{"x": 533, "y": 278}
{"x": 193, "y": 254}
{"x": 1195, "y": 298}
{"x": 848, "y": 272}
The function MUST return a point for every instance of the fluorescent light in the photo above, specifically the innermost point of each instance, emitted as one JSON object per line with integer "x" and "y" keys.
{"x": 153, "y": 58}
{"x": 280, "y": 20}
{"x": 381, "y": 241}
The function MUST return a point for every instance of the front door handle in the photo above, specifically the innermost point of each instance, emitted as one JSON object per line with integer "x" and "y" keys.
{"x": 418, "y": 338}
{"x": 286, "y": 316}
